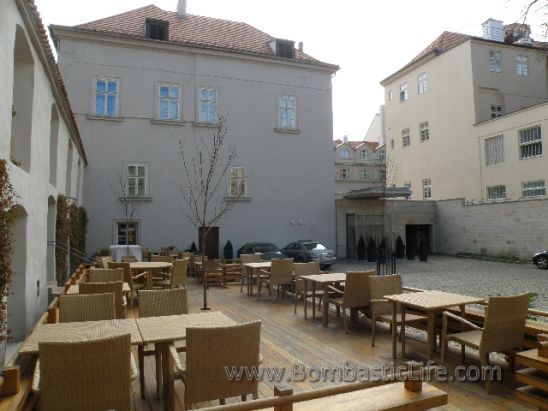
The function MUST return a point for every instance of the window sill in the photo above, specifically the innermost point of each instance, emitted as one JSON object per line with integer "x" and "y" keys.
{"x": 287, "y": 130}
{"x": 207, "y": 125}
{"x": 167, "y": 122}
{"x": 136, "y": 199}
{"x": 530, "y": 157}
{"x": 242, "y": 199}
{"x": 107, "y": 118}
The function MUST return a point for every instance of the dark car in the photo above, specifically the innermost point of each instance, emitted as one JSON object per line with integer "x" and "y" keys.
{"x": 305, "y": 251}
{"x": 268, "y": 250}
{"x": 541, "y": 259}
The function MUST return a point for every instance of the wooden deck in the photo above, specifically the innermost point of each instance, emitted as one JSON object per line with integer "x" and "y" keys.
{"x": 287, "y": 339}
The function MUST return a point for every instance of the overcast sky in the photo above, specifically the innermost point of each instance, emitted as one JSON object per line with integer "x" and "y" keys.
{"x": 369, "y": 40}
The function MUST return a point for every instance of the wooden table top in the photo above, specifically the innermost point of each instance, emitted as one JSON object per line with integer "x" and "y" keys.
{"x": 75, "y": 289}
{"x": 149, "y": 265}
{"x": 173, "y": 327}
{"x": 80, "y": 332}
{"x": 326, "y": 278}
{"x": 262, "y": 264}
{"x": 433, "y": 299}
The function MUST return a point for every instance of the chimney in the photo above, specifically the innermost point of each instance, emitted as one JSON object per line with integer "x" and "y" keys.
{"x": 345, "y": 139}
{"x": 181, "y": 8}
{"x": 301, "y": 46}
{"x": 492, "y": 30}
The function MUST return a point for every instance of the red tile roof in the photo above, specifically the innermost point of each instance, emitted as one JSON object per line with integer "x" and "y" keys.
{"x": 354, "y": 145}
{"x": 192, "y": 30}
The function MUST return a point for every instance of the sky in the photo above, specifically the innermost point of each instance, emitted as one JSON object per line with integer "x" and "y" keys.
{"x": 369, "y": 40}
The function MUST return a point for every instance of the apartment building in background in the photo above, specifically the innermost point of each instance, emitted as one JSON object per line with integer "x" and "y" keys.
{"x": 142, "y": 80}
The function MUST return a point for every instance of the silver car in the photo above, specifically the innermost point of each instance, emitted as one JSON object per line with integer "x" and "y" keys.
{"x": 305, "y": 251}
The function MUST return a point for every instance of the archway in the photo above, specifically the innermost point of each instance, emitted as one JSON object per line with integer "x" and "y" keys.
{"x": 17, "y": 299}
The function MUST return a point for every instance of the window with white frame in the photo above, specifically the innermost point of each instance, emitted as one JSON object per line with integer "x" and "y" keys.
{"x": 127, "y": 233}
{"x": 424, "y": 131}
{"x": 530, "y": 142}
{"x": 168, "y": 102}
{"x": 497, "y": 110}
{"x": 106, "y": 97}
{"x": 495, "y": 61}
{"x": 405, "y": 138}
{"x": 344, "y": 154}
{"x": 494, "y": 150}
{"x": 208, "y": 106}
{"x": 287, "y": 108}
{"x": 533, "y": 189}
{"x": 404, "y": 92}
{"x": 343, "y": 174}
{"x": 522, "y": 66}
{"x": 364, "y": 155}
{"x": 137, "y": 180}
{"x": 364, "y": 174}
{"x": 426, "y": 188}
{"x": 422, "y": 83}
{"x": 238, "y": 182}
{"x": 495, "y": 192}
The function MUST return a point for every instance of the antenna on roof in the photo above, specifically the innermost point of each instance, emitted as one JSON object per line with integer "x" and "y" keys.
{"x": 181, "y": 8}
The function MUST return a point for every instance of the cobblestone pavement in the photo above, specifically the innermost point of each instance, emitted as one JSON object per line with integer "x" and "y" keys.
{"x": 466, "y": 276}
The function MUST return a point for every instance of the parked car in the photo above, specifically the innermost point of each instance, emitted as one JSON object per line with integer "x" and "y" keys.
{"x": 305, "y": 251}
{"x": 268, "y": 251}
{"x": 541, "y": 259}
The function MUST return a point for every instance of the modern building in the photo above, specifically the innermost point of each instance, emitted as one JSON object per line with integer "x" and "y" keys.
{"x": 438, "y": 111}
{"x": 141, "y": 81}
{"x": 40, "y": 140}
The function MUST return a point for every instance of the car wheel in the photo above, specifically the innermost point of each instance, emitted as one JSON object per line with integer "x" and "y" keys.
{"x": 542, "y": 262}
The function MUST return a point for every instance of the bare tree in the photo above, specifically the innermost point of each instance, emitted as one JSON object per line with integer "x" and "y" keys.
{"x": 127, "y": 202}
{"x": 206, "y": 166}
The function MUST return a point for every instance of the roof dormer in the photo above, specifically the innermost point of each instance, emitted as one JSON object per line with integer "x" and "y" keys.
{"x": 283, "y": 48}
{"x": 157, "y": 29}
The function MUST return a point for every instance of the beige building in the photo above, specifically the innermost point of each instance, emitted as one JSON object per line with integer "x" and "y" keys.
{"x": 433, "y": 107}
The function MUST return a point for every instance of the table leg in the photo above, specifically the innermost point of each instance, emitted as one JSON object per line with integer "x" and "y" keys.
{"x": 325, "y": 305}
{"x": 248, "y": 275}
{"x": 430, "y": 317}
{"x": 314, "y": 299}
{"x": 141, "y": 350}
{"x": 402, "y": 332}
{"x": 463, "y": 328}
{"x": 167, "y": 374}
{"x": 394, "y": 329}
{"x": 253, "y": 272}
{"x": 305, "y": 302}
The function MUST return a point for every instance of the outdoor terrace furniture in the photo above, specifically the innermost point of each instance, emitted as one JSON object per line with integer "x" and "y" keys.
{"x": 535, "y": 376}
{"x": 325, "y": 281}
{"x": 75, "y": 289}
{"x": 136, "y": 282}
{"x": 244, "y": 259}
{"x": 161, "y": 258}
{"x": 90, "y": 307}
{"x": 356, "y": 295}
{"x": 105, "y": 261}
{"x": 101, "y": 275}
{"x": 151, "y": 268}
{"x": 279, "y": 275}
{"x": 177, "y": 277}
{"x": 204, "y": 375}
{"x": 300, "y": 269}
{"x": 212, "y": 273}
{"x": 129, "y": 259}
{"x": 502, "y": 331}
{"x": 107, "y": 287}
{"x": 253, "y": 272}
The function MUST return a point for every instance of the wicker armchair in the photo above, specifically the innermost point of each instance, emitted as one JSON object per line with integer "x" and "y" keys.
{"x": 135, "y": 282}
{"x": 105, "y": 261}
{"x": 91, "y": 307}
{"x": 104, "y": 275}
{"x": 502, "y": 331}
{"x": 205, "y": 376}
{"x": 301, "y": 269}
{"x": 161, "y": 258}
{"x": 244, "y": 259}
{"x": 90, "y": 375}
{"x": 109, "y": 287}
{"x": 129, "y": 259}
{"x": 156, "y": 303}
{"x": 356, "y": 295}
{"x": 381, "y": 309}
{"x": 177, "y": 278}
{"x": 280, "y": 275}
{"x": 212, "y": 273}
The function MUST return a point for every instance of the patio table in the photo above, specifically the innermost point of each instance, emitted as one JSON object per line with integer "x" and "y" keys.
{"x": 150, "y": 267}
{"x": 251, "y": 269}
{"x": 324, "y": 280}
{"x": 430, "y": 302}
{"x": 75, "y": 289}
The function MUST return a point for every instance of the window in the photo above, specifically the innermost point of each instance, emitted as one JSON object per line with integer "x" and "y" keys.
{"x": 530, "y": 142}
{"x": 497, "y": 110}
{"x": 422, "y": 83}
{"x": 208, "y": 106}
{"x": 363, "y": 174}
{"x": 424, "y": 132}
{"x": 404, "y": 93}
{"x": 344, "y": 154}
{"x": 494, "y": 150}
{"x": 364, "y": 154}
{"x": 238, "y": 183}
{"x": 533, "y": 189}
{"x": 392, "y": 144}
{"x": 390, "y": 96}
{"x": 495, "y": 61}
{"x": 168, "y": 102}
{"x": 405, "y": 138}
{"x": 157, "y": 30}
{"x": 522, "y": 66}
{"x": 126, "y": 233}
{"x": 495, "y": 192}
{"x": 343, "y": 174}
{"x": 137, "y": 184}
{"x": 287, "y": 108}
{"x": 106, "y": 97}
{"x": 285, "y": 48}
{"x": 426, "y": 188}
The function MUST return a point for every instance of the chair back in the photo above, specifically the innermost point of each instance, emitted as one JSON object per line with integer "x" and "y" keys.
{"x": 301, "y": 269}
{"x": 161, "y": 258}
{"x": 250, "y": 258}
{"x": 281, "y": 271}
{"x": 109, "y": 287}
{"x": 105, "y": 261}
{"x": 180, "y": 271}
{"x": 381, "y": 285}
{"x": 210, "y": 350}
{"x": 356, "y": 288}
{"x": 127, "y": 271}
{"x": 86, "y": 307}
{"x": 104, "y": 275}
{"x": 155, "y": 303}
{"x": 88, "y": 375}
{"x": 504, "y": 325}
{"x": 129, "y": 259}
{"x": 211, "y": 265}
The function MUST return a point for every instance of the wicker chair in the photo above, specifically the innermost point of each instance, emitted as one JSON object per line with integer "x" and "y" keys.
{"x": 205, "y": 376}
{"x": 91, "y": 307}
{"x": 212, "y": 273}
{"x": 244, "y": 259}
{"x": 301, "y": 269}
{"x": 129, "y": 259}
{"x": 280, "y": 275}
{"x": 108, "y": 287}
{"x": 135, "y": 282}
{"x": 177, "y": 278}
{"x": 161, "y": 258}
{"x": 156, "y": 303}
{"x": 105, "y": 261}
{"x": 90, "y": 375}
{"x": 104, "y": 275}
{"x": 356, "y": 295}
{"x": 381, "y": 309}
{"x": 502, "y": 331}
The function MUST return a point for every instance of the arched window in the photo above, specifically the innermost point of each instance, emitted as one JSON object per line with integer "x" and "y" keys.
{"x": 53, "y": 144}
{"x": 17, "y": 300}
{"x": 344, "y": 153}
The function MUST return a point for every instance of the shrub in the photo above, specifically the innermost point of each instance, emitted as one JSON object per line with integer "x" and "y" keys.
{"x": 371, "y": 250}
{"x": 228, "y": 251}
{"x": 400, "y": 248}
{"x": 360, "y": 249}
